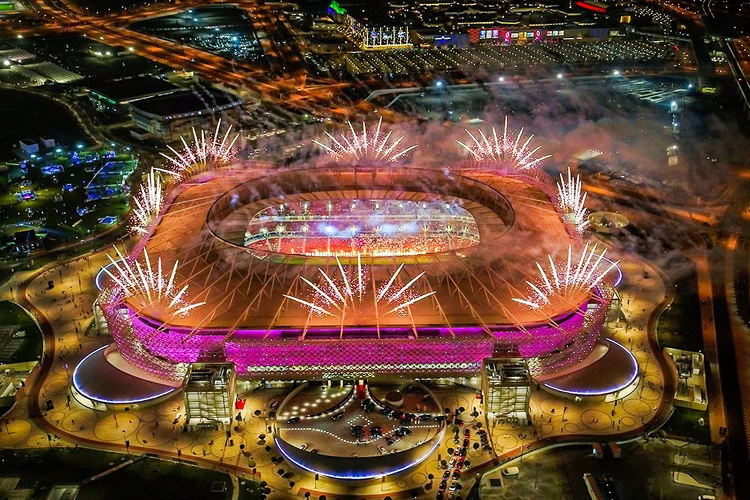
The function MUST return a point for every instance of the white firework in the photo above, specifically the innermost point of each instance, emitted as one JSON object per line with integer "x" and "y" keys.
{"x": 365, "y": 147}
{"x": 148, "y": 204}
{"x": 335, "y": 296}
{"x": 403, "y": 297}
{"x": 508, "y": 152}
{"x": 574, "y": 276}
{"x": 150, "y": 284}
{"x": 571, "y": 202}
{"x": 202, "y": 154}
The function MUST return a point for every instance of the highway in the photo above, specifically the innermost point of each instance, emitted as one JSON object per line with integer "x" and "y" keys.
{"x": 295, "y": 93}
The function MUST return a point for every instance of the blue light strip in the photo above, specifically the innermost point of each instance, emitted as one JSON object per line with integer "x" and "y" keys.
{"x": 610, "y": 390}
{"x": 365, "y": 475}
{"x": 619, "y": 273}
{"x": 78, "y": 388}
{"x": 100, "y": 275}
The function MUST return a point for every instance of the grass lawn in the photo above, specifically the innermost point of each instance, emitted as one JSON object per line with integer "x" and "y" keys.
{"x": 31, "y": 349}
{"x": 149, "y": 478}
{"x": 684, "y": 422}
{"x": 680, "y": 325}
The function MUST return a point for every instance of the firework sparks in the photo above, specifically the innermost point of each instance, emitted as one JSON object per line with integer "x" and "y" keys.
{"x": 571, "y": 202}
{"x": 203, "y": 154}
{"x": 575, "y": 276}
{"x": 334, "y": 296}
{"x": 509, "y": 153}
{"x": 150, "y": 284}
{"x": 148, "y": 204}
{"x": 365, "y": 147}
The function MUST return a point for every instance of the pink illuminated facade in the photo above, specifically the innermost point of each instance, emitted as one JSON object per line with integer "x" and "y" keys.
{"x": 165, "y": 352}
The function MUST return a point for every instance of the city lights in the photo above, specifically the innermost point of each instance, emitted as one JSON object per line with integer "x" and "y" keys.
{"x": 365, "y": 147}
{"x": 507, "y": 152}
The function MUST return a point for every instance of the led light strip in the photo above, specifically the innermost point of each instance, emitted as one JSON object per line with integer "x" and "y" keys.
{"x": 364, "y": 475}
{"x": 611, "y": 390}
{"x": 77, "y": 385}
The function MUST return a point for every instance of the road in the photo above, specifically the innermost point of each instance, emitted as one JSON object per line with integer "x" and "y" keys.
{"x": 296, "y": 93}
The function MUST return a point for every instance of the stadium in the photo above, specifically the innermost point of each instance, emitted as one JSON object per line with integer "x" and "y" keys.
{"x": 366, "y": 269}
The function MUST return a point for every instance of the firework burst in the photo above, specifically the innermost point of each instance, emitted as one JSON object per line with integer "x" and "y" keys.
{"x": 574, "y": 276}
{"x": 335, "y": 295}
{"x": 507, "y": 152}
{"x": 148, "y": 204}
{"x": 571, "y": 202}
{"x": 365, "y": 147}
{"x": 150, "y": 284}
{"x": 203, "y": 154}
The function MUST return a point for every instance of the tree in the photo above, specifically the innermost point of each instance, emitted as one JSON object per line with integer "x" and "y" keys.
{"x": 291, "y": 484}
{"x": 430, "y": 476}
{"x": 476, "y": 446}
{"x": 281, "y": 472}
{"x": 450, "y": 451}
{"x": 307, "y": 494}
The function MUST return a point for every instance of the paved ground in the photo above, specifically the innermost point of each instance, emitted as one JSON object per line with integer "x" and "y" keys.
{"x": 644, "y": 472}
{"x": 68, "y": 305}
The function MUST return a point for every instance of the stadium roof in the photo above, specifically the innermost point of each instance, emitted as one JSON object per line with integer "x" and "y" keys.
{"x": 243, "y": 290}
{"x": 132, "y": 89}
{"x": 186, "y": 103}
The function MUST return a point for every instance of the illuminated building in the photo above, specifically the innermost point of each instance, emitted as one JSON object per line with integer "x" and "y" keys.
{"x": 362, "y": 270}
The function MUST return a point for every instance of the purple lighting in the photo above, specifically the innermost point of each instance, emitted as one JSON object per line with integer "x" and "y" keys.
{"x": 276, "y": 354}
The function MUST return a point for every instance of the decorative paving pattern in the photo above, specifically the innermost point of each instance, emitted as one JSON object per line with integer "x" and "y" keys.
{"x": 546, "y": 428}
{"x": 627, "y": 421}
{"x": 79, "y": 420}
{"x": 648, "y": 367}
{"x": 157, "y": 433}
{"x": 168, "y": 408}
{"x": 596, "y": 420}
{"x": 219, "y": 448}
{"x": 56, "y": 386}
{"x": 13, "y": 432}
{"x": 505, "y": 441}
{"x": 636, "y": 407}
{"x": 552, "y": 407}
{"x": 571, "y": 427}
{"x": 107, "y": 430}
